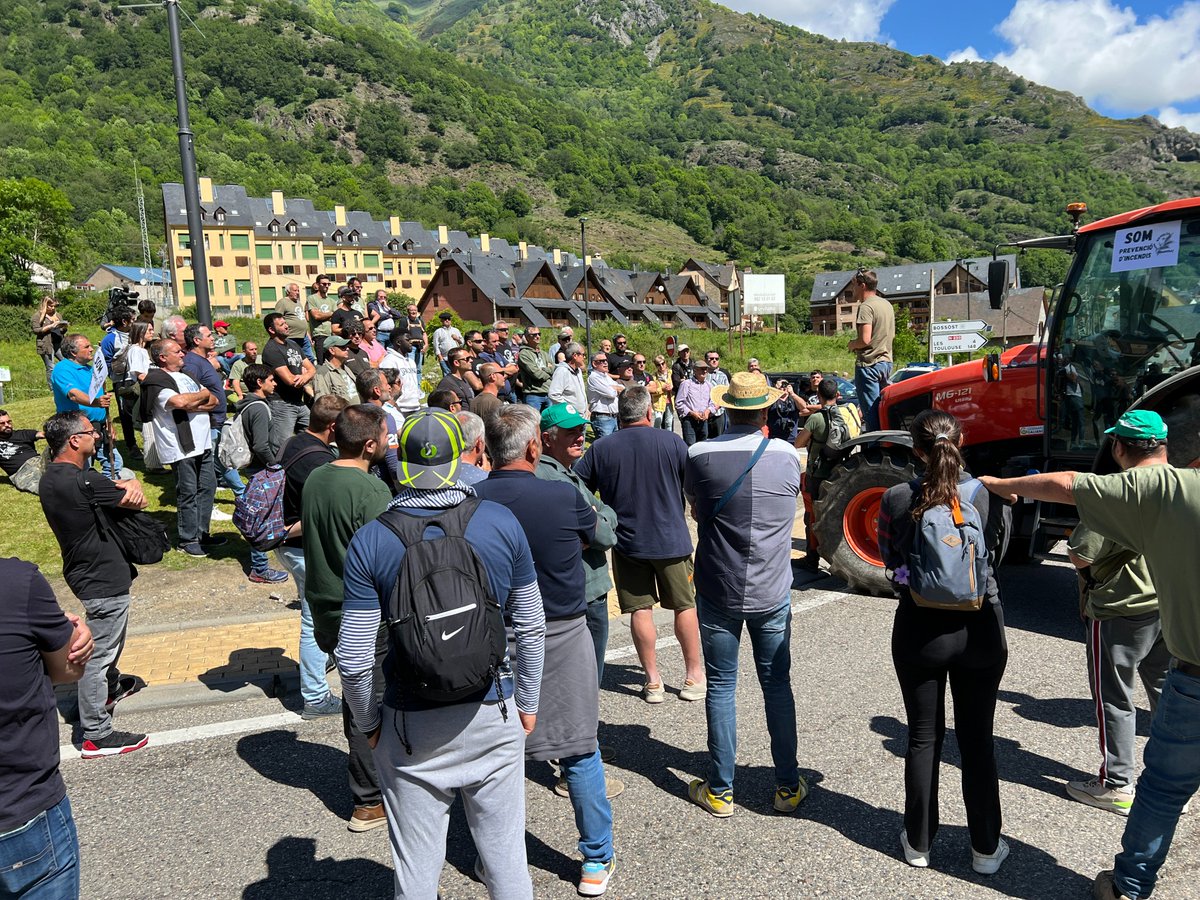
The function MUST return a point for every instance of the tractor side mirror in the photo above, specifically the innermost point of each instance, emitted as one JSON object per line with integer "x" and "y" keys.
{"x": 997, "y": 282}
{"x": 991, "y": 367}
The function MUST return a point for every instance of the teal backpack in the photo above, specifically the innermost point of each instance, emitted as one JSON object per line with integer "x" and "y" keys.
{"x": 948, "y": 563}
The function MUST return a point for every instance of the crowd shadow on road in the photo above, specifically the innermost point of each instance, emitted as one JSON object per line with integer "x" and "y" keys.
{"x": 293, "y": 870}
{"x": 260, "y": 666}
{"x": 1065, "y": 712}
{"x": 1014, "y": 763}
{"x": 1029, "y": 873}
{"x": 282, "y": 757}
{"x": 1041, "y": 599}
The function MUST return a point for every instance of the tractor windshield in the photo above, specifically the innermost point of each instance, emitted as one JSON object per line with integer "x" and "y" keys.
{"x": 1129, "y": 320}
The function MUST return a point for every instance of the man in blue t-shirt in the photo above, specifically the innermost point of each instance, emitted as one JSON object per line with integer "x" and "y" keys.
{"x": 71, "y": 382}
{"x": 639, "y": 473}
{"x": 558, "y": 523}
{"x": 427, "y": 753}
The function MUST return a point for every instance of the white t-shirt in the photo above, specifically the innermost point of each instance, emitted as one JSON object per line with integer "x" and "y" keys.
{"x": 410, "y": 398}
{"x": 138, "y": 360}
{"x": 166, "y": 439}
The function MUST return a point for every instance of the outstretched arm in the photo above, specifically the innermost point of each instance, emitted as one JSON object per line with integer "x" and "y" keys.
{"x": 1051, "y": 487}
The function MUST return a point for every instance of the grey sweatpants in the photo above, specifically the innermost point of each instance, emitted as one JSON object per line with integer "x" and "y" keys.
{"x": 1120, "y": 650}
{"x": 465, "y": 749}
{"x": 108, "y": 618}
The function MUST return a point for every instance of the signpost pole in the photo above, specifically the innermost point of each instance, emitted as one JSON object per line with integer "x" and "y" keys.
{"x": 932, "y": 317}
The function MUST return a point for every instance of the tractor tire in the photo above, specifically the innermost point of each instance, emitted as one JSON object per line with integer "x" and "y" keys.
{"x": 847, "y": 515}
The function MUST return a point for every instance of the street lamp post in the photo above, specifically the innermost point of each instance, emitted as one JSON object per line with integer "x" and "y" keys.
{"x": 587, "y": 314}
{"x": 187, "y": 159}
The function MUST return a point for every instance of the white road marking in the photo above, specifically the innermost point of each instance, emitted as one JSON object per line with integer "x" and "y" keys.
{"x": 811, "y": 600}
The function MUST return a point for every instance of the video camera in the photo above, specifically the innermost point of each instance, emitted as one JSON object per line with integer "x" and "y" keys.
{"x": 117, "y": 297}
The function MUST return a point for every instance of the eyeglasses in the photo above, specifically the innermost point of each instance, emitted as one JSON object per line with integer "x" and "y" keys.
{"x": 599, "y": 362}
{"x": 639, "y": 362}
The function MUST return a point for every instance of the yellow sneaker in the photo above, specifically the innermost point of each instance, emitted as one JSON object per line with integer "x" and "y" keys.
{"x": 719, "y": 805}
{"x": 787, "y": 799}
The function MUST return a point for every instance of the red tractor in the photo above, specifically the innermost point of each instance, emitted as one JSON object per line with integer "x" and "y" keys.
{"x": 1123, "y": 331}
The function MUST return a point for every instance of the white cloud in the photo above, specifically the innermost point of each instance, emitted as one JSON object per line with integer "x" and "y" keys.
{"x": 1173, "y": 118}
{"x": 966, "y": 54}
{"x": 854, "y": 20}
{"x": 1102, "y": 52}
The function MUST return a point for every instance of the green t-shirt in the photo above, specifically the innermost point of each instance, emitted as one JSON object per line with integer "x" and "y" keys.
{"x": 293, "y": 314}
{"x": 328, "y": 305}
{"x": 819, "y": 466}
{"x": 337, "y": 501}
{"x": 1121, "y": 581}
{"x": 1154, "y": 510}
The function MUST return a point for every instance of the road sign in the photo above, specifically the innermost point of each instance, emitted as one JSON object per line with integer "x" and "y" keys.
{"x": 959, "y": 327}
{"x": 671, "y": 346}
{"x": 957, "y": 343}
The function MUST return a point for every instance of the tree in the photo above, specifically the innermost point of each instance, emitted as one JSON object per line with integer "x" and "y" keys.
{"x": 35, "y": 226}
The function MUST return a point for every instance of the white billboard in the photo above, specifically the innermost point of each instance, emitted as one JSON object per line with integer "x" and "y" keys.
{"x": 763, "y": 295}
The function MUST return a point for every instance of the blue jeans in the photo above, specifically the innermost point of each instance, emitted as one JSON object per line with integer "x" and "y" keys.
{"x": 1170, "y": 776}
{"x": 597, "y": 623}
{"x": 418, "y": 356}
{"x": 314, "y": 687}
{"x": 593, "y": 812}
{"x": 869, "y": 382}
{"x": 40, "y": 860}
{"x": 770, "y": 637}
{"x": 445, "y": 367}
{"x": 195, "y": 488}
{"x": 693, "y": 431}
{"x": 225, "y": 477}
{"x": 603, "y": 424}
{"x": 537, "y": 401}
{"x": 102, "y": 458}
{"x": 228, "y": 361}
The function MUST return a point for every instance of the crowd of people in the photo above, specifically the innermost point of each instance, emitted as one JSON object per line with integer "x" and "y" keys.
{"x": 454, "y": 554}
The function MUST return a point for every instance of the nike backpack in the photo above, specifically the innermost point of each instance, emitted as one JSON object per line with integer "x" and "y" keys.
{"x": 446, "y": 628}
{"x": 947, "y": 566}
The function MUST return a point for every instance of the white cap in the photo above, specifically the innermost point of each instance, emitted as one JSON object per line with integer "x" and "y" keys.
{"x": 683, "y": 347}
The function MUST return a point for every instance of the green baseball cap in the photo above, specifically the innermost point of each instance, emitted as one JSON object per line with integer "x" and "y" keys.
{"x": 1140, "y": 425}
{"x": 562, "y": 415}
{"x": 336, "y": 341}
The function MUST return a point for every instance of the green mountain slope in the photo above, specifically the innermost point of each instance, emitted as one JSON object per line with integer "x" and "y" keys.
{"x": 678, "y": 126}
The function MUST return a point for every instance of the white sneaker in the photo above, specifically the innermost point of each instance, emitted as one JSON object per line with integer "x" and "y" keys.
{"x": 911, "y": 856}
{"x": 219, "y": 515}
{"x": 989, "y": 863}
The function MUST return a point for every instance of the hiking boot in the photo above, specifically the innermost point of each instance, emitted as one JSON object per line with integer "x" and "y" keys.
{"x": 720, "y": 805}
{"x": 912, "y": 857}
{"x": 366, "y": 818}
{"x": 127, "y": 686}
{"x": 1098, "y": 794}
{"x": 652, "y": 692}
{"x": 193, "y": 548}
{"x": 693, "y": 691}
{"x": 113, "y": 744}
{"x": 1103, "y": 888}
{"x": 788, "y": 798}
{"x": 330, "y": 706}
{"x": 989, "y": 863}
{"x": 593, "y": 880}
{"x": 270, "y": 576}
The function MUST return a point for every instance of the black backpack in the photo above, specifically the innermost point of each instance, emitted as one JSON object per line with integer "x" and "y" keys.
{"x": 446, "y": 628}
{"x": 837, "y": 433}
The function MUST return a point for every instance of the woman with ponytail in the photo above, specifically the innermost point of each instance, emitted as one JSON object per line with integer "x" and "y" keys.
{"x": 930, "y": 646}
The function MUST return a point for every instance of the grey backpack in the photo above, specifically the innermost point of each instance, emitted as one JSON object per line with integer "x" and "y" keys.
{"x": 948, "y": 563}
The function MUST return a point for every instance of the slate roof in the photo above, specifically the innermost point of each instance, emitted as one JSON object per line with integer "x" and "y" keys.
{"x": 908, "y": 279}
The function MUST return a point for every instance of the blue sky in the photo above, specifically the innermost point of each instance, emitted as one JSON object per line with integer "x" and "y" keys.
{"x": 1124, "y": 58}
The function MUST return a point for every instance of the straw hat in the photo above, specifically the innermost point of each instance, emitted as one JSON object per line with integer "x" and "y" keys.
{"x": 746, "y": 390}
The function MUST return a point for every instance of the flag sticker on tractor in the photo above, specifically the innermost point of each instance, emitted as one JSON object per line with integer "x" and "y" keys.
{"x": 1146, "y": 246}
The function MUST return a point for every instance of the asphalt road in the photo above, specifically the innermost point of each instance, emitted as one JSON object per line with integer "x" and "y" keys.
{"x": 236, "y": 800}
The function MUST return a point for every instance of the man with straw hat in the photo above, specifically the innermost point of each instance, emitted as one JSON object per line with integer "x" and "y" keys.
{"x": 742, "y": 489}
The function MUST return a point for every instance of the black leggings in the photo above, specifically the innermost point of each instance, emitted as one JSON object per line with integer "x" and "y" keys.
{"x": 969, "y": 649}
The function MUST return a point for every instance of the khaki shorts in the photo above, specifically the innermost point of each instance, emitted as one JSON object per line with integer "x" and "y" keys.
{"x": 643, "y": 582}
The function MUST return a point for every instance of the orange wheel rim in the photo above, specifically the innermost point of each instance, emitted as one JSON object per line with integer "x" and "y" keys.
{"x": 860, "y": 524}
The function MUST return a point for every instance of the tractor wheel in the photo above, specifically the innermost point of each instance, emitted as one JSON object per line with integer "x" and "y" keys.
{"x": 847, "y": 516}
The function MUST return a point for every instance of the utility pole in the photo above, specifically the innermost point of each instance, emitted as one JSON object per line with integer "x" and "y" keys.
{"x": 587, "y": 313}
{"x": 187, "y": 159}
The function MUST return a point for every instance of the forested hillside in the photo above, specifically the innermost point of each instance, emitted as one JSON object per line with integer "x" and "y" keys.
{"x": 677, "y": 126}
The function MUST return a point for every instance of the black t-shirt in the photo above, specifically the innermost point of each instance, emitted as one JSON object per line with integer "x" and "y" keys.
{"x": 17, "y": 450}
{"x": 93, "y": 565}
{"x": 619, "y": 362}
{"x": 298, "y": 473}
{"x": 643, "y": 378}
{"x": 342, "y": 317}
{"x": 557, "y": 519}
{"x": 284, "y": 356}
{"x": 465, "y": 392}
{"x": 30, "y": 622}
{"x": 358, "y": 361}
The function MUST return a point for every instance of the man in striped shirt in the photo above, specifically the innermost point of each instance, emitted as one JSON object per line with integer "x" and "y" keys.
{"x": 427, "y": 752}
